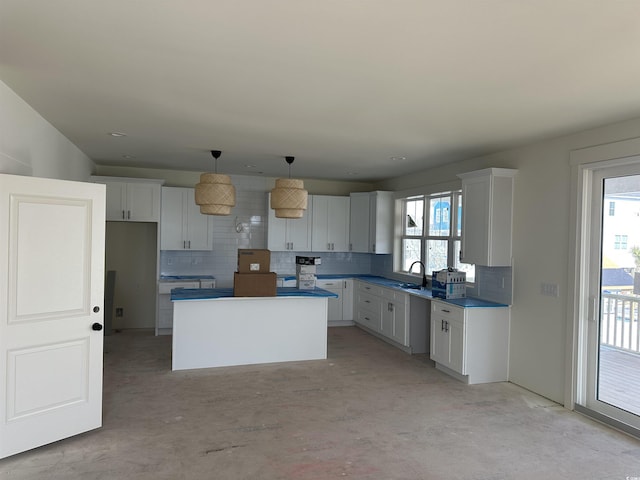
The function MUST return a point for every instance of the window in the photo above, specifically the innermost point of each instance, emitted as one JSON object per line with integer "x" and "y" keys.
{"x": 620, "y": 242}
{"x": 431, "y": 233}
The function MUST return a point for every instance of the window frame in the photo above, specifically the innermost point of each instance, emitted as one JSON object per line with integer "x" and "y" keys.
{"x": 453, "y": 236}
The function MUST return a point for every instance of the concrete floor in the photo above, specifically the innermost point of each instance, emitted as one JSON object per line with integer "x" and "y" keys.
{"x": 368, "y": 412}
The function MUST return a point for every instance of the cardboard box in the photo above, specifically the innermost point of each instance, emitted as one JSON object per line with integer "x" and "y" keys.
{"x": 306, "y": 276}
{"x": 306, "y": 284}
{"x": 448, "y": 284}
{"x": 254, "y": 260}
{"x": 302, "y": 269}
{"x": 308, "y": 260}
{"x": 254, "y": 284}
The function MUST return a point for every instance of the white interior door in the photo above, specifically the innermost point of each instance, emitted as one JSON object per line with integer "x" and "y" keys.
{"x": 51, "y": 299}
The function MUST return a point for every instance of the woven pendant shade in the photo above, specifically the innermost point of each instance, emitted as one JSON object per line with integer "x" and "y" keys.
{"x": 215, "y": 194}
{"x": 289, "y": 198}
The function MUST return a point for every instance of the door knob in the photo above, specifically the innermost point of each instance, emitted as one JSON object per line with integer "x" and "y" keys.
{"x": 96, "y": 326}
{"x": 96, "y": 309}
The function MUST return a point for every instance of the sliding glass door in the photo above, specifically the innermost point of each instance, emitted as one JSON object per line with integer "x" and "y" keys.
{"x": 612, "y": 367}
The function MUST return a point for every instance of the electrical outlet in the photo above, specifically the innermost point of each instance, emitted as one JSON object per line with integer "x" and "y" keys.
{"x": 119, "y": 312}
{"x": 549, "y": 289}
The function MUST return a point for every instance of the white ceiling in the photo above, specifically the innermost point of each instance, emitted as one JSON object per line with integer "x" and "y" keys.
{"x": 343, "y": 85}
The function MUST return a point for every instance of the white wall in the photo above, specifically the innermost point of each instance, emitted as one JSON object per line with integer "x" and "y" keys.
{"x": 29, "y": 145}
{"x": 540, "y": 246}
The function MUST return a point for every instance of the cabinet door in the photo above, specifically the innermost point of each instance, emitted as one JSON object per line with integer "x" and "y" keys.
{"x": 143, "y": 202}
{"x": 116, "y": 198}
{"x": 456, "y": 346}
{"x": 338, "y": 223}
{"x": 387, "y": 318}
{"x": 276, "y": 230}
{"x": 400, "y": 320}
{"x": 359, "y": 222}
{"x": 439, "y": 341}
{"x": 320, "y": 224}
{"x": 475, "y": 220}
{"x": 199, "y": 228}
{"x": 347, "y": 300}
{"x": 171, "y": 225}
{"x": 381, "y": 222}
{"x": 298, "y": 232}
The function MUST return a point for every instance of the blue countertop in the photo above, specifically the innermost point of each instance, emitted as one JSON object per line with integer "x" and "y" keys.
{"x": 410, "y": 288}
{"x": 178, "y": 294}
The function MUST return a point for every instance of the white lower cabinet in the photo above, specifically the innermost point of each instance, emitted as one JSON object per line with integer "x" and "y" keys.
{"x": 383, "y": 311}
{"x": 164, "y": 323}
{"x": 471, "y": 344}
{"x": 340, "y": 310}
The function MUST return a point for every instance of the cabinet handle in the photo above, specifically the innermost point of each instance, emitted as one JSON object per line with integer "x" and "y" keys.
{"x": 374, "y": 248}
{"x": 189, "y": 244}
{"x": 446, "y": 326}
{"x": 128, "y": 214}
{"x": 367, "y": 319}
{"x": 367, "y": 301}
{"x": 123, "y": 217}
{"x": 446, "y": 311}
{"x": 442, "y": 325}
{"x": 328, "y": 246}
{"x": 350, "y": 246}
{"x": 367, "y": 288}
{"x": 184, "y": 244}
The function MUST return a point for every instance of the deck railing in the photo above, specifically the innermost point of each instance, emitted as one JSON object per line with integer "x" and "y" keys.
{"x": 619, "y": 322}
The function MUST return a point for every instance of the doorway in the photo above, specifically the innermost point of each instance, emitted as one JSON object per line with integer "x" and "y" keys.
{"x": 608, "y": 288}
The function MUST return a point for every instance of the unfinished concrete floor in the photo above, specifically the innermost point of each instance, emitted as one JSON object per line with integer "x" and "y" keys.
{"x": 368, "y": 412}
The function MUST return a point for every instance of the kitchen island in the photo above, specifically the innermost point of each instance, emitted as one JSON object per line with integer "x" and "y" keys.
{"x": 212, "y": 328}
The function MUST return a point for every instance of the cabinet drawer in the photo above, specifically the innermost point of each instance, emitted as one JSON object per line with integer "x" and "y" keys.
{"x": 166, "y": 287}
{"x": 369, "y": 319}
{"x": 447, "y": 311}
{"x": 368, "y": 288}
{"x": 367, "y": 301}
{"x": 330, "y": 284}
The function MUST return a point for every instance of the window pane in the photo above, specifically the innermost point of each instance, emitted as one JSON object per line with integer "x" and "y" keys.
{"x": 411, "y": 248}
{"x": 436, "y": 255}
{"x": 468, "y": 268}
{"x": 414, "y": 220}
{"x": 439, "y": 216}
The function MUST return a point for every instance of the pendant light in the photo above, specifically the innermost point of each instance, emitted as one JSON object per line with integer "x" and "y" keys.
{"x": 289, "y": 198}
{"x": 215, "y": 194}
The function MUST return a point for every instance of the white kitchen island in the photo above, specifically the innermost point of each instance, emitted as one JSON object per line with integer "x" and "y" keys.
{"x": 212, "y": 328}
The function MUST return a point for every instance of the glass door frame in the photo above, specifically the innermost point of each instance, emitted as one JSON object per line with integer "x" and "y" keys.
{"x": 583, "y": 302}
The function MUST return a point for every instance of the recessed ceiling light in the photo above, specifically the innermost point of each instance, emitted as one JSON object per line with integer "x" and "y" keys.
{"x": 250, "y": 166}
{"x": 128, "y": 156}
{"x": 352, "y": 173}
{"x": 117, "y": 134}
{"x": 398, "y": 158}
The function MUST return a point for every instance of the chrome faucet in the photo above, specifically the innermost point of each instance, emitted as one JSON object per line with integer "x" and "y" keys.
{"x": 424, "y": 275}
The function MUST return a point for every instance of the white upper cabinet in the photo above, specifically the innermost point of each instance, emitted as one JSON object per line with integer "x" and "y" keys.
{"x": 371, "y": 223}
{"x": 487, "y": 213}
{"x": 330, "y": 224}
{"x": 182, "y": 226}
{"x": 292, "y": 234}
{"x": 131, "y": 200}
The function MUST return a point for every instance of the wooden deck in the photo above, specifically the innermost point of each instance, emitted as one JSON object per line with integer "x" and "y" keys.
{"x": 620, "y": 379}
